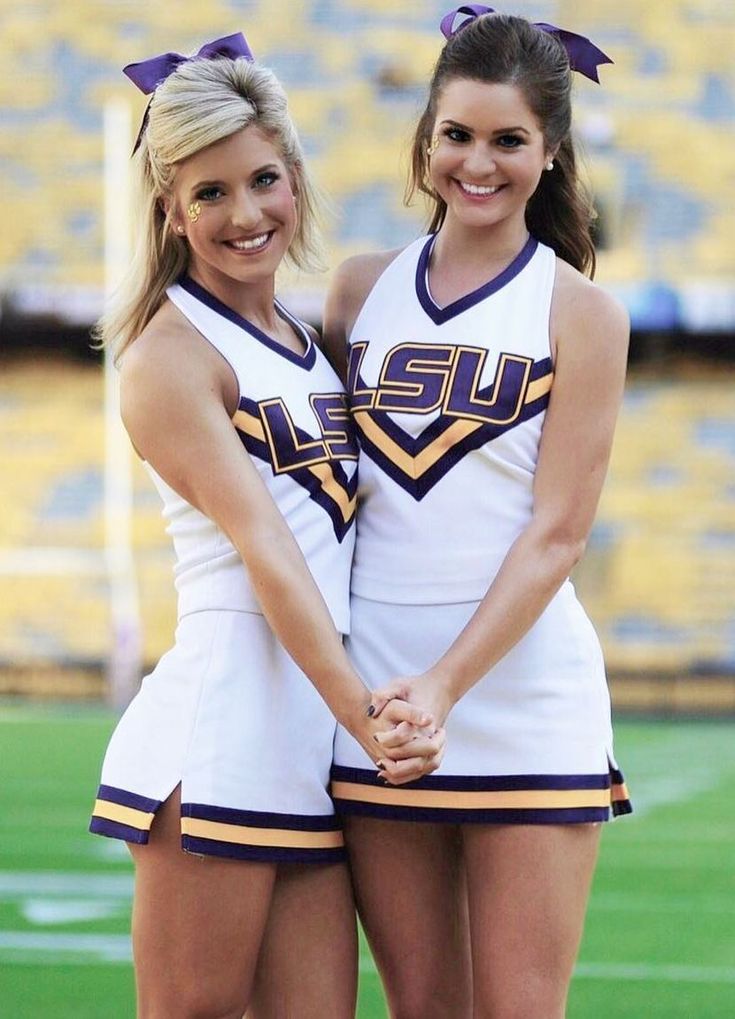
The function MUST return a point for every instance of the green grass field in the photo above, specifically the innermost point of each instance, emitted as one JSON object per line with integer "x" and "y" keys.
{"x": 660, "y": 936}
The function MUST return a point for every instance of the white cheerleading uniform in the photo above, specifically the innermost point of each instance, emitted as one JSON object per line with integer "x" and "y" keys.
{"x": 225, "y": 709}
{"x": 449, "y": 406}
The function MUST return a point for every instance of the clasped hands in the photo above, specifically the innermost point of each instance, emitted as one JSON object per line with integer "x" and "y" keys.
{"x": 405, "y": 721}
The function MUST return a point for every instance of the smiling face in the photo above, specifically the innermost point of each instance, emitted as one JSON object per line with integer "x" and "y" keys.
{"x": 490, "y": 153}
{"x": 247, "y": 211}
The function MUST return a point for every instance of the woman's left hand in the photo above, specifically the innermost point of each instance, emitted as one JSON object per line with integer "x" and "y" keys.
{"x": 427, "y": 691}
{"x": 406, "y": 742}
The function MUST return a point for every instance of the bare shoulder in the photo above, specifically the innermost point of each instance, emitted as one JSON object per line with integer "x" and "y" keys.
{"x": 361, "y": 272}
{"x": 353, "y": 280}
{"x": 582, "y": 311}
{"x": 167, "y": 367}
{"x": 350, "y": 285}
{"x": 151, "y": 353}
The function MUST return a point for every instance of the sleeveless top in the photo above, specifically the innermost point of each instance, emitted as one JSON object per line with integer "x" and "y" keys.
{"x": 449, "y": 405}
{"x": 292, "y": 419}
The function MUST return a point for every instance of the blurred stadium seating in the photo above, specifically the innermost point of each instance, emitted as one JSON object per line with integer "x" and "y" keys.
{"x": 657, "y": 579}
{"x": 54, "y": 597}
{"x": 658, "y": 131}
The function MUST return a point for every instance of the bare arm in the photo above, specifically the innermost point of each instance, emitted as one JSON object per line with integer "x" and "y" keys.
{"x": 592, "y": 337}
{"x": 174, "y": 395}
{"x": 349, "y": 288}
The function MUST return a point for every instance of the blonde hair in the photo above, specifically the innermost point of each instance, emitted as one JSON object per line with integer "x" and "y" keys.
{"x": 202, "y": 102}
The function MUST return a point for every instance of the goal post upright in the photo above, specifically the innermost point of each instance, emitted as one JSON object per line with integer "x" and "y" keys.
{"x": 124, "y": 663}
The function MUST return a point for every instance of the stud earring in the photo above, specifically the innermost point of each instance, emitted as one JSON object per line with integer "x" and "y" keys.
{"x": 431, "y": 149}
{"x": 194, "y": 211}
{"x": 549, "y": 164}
{"x": 179, "y": 229}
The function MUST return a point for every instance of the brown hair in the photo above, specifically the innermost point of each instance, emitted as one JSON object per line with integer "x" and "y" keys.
{"x": 503, "y": 49}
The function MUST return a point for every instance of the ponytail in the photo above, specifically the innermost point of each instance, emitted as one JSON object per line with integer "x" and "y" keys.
{"x": 502, "y": 49}
{"x": 560, "y": 212}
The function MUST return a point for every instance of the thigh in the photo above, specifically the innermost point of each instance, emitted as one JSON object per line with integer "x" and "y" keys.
{"x": 527, "y": 890}
{"x": 197, "y": 925}
{"x": 307, "y": 966}
{"x": 410, "y": 891}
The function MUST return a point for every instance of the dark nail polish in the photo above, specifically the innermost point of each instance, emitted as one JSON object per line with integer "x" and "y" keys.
{"x": 371, "y": 710}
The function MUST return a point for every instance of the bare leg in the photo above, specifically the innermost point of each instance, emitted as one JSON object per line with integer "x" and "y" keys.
{"x": 307, "y": 967}
{"x": 197, "y": 926}
{"x": 527, "y": 890}
{"x": 411, "y": 896}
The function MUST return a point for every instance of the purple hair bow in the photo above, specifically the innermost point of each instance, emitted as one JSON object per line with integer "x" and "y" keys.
{"x": 148, "y": 74}
{"x": 583, "y": 55}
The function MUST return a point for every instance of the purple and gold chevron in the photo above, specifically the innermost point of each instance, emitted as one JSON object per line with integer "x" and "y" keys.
{"x": 421, "y": 379}
{"x": 268, "y": 432}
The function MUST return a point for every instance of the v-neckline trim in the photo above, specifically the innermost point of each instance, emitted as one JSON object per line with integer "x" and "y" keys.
{"x": 441, "y": 315}
{"x": 304, "y": 360}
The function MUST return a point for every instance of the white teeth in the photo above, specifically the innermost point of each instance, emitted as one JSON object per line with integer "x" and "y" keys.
{"x": 476, "y": 189}
{"x": 254, "y": 242}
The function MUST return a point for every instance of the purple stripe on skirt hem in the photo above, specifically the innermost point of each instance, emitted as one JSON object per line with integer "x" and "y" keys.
{"x": 115, "y": 830}
{"x": 260, "y": 818}
{"x": 560, "y": 815}
{"x": 111, "y": 794}
{"x": 479, "y": 783}
{"x": 262, "y": 854}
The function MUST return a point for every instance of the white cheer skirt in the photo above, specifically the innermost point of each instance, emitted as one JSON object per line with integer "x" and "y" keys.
{"x": 229, "y": 716}
{"x": 530, "y": 743}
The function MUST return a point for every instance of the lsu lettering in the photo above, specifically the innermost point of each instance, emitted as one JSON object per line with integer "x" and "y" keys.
{"x": 424, "y": 378}
{"x": 269, "y": 433}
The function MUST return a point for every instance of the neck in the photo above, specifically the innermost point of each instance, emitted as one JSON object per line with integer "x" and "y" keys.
{"x": 464, "y": 247}
{"x": 253, "y": 301}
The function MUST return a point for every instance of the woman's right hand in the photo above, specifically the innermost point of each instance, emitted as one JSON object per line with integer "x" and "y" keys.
{"x": 415, "y": 747}
{"x": 428, "y": 692}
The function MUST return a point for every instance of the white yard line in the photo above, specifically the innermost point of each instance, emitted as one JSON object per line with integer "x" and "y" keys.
{"x": 624, "y": 971}
{"x": 46, "y": 948}
{"x": 11, "y": 714}
{"x": 18, "y": 884}
{"x": 19, "y": 947}
{"x": 687, "y": 761}
{"x": 656, "y": 972}
{"x": 630, "y": 902}
{"x": 683, "y": 764}
{"x": 59, "y": 949}
{"x": 117, "y": 889}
